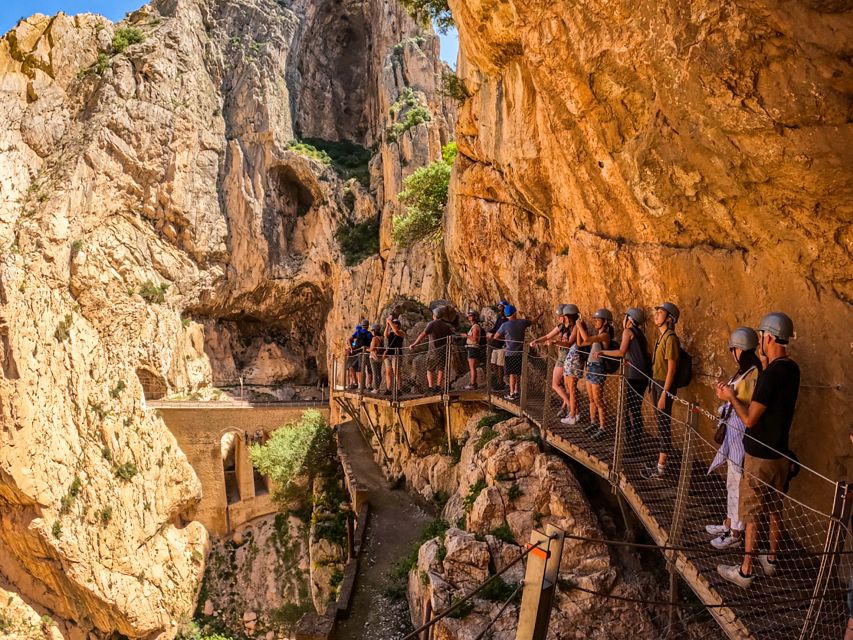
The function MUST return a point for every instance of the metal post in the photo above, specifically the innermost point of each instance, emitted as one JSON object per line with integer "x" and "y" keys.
{"x": 681, "y": 494}
{"x": 525, "y": 376}
{"x": 447, "y": 347}
{"x": 489, "y": 375}
{"x": 363, "y": 358}
{"x": 832, "y": 545}
{"x": 619, "y": 442}
{"x": 540, "y": 583}
{"x": 549, "y": 374}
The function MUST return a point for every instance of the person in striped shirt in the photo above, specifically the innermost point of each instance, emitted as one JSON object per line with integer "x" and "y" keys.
{"x": 742, "y": 344}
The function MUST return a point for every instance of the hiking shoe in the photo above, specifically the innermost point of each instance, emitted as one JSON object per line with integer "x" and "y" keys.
{"x": 599, "y": 435}
{"x": 510, "y": 396}
{"x": 717, "y": 529}
{"x": 769, "y": 568}
{"x": 653, "y": 472}
{"x": 387, "y": 392}
{"x": 562, "y": 413}
{"x": 725, "y": 541}
{"x": 591, "y": 428}
{"x": 569, "y": 420}
{"x": 470, "y": 387}
{"x": 731, "y": 573}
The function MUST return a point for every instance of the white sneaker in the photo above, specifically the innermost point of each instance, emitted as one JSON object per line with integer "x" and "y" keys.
{"x": 569, "y": 420}
{"x": 717, "y": 529}
{"x": 725, "y": 541}
{"x": 768, "y": 568}
{"x": 731, "y": 572}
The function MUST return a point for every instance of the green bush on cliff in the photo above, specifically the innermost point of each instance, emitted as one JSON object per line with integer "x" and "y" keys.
{"x": 425, "y": 12}
{"x": 425, "y": 196}
{"x": 304, "y": 448}
{"x": 358, "y": 240}
{"x": 123, "y": 38}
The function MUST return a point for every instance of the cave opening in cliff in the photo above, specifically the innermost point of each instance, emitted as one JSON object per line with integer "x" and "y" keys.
{"x": 288, "y": 199}
{"x": 153, "y": 385}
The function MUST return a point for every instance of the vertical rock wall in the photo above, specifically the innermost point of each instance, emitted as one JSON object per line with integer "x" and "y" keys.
{"x": 622, "y": 153}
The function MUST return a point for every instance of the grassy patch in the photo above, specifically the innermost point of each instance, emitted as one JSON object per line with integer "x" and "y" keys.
{"x": 349, "y": 159}
{"x": 153, "y": 293}
{"x": 399, "y": 574}
{"x": 499, "y": 591}
{"x": 492, "y": 419}
{"x": 125, "y": 471}
{"x": 474, "y": 492}
{"x": 514, "y": 492}
{"x": 63, "y": 329}
{"x": 486, "y": 435}
{"x": 503, "y": 533}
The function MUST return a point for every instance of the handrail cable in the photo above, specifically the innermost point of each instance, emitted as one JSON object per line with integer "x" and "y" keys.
{"x": 500, "y": 613}
{"x": 472, "y": 593}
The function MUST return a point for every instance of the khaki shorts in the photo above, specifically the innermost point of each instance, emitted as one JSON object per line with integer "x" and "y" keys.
{"x": 498, "y": 357}
{"x": 761, "y": 487}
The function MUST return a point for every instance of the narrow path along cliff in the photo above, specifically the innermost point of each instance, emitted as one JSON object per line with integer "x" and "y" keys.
{"x": 395, "y": 523}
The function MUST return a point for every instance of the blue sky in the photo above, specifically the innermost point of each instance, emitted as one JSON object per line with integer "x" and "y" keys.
{"x": 115, "y": 10}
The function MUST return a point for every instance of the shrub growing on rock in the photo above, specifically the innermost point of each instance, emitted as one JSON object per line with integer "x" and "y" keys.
{"x": 428, "y": 12}
{"x": 358, "y": 240}
{"x": 125, "y": 37}
{"x": 425, "y": 196}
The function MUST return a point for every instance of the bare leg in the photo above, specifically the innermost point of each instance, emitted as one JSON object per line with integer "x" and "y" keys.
{"x": 429, "y": 379}
{"x": 572, "y": 386}
{"x": 749, "y": 547}
{"x": 774, "y": 536}
{"x": 472, "y": 367}
{"x": 599, "y": 403}
{"x": 440, "y": 377}
{"x": 556, "y": 378}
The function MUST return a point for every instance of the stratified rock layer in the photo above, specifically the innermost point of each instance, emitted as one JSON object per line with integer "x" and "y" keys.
{"x": 159, "y": 234}
{"x": 623, "y": 153}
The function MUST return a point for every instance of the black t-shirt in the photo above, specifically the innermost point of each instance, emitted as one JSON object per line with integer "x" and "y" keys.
{"x": 395, "y": 343}
{"x": 777, "y": 388}
{"x": 497, "y": 343}
{"x": 438, "y": 331}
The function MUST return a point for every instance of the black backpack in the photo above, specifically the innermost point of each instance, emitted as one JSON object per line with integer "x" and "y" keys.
{"x": 611, "y": 365}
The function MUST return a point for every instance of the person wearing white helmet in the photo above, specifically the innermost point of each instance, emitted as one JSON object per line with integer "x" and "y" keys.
{"x": 635, "y": 349}
{"x": 742, "y": 344}
{"x": 766, "y": 465}
{"x": 561, "y": 335}
{"x": 598, "y": 340}
{"x": 664, "y": 365}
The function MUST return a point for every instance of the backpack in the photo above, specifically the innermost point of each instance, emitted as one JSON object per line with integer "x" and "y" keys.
{"x": 684, "y": 368}
{"x": 611, "y": 365}
{"x": 483, "y": 338}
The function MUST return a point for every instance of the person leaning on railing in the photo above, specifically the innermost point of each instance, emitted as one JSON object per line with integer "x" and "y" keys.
{"x": 634, "y": 348}
{"x": 598, "y": 340}
{"x": 439, "y": 332}
{"x": 561, "y": 335}
{"x": 573, "y": 364}
{"x": 512, "y": 331}
{"x": 664, "y": 366}
{"x": 767, "y": 419}
{"x": 742, "y": 344}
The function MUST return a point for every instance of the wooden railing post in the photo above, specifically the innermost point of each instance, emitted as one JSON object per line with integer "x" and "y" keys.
{"x": 619, "y": 441}
{"x": 525, "y": 376}
{"x": 540, "y": 583}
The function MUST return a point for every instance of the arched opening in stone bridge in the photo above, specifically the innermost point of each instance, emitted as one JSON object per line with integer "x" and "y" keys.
{"x": 230, "y": 444}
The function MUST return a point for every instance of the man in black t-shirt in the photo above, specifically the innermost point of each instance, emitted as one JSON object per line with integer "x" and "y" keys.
{"x": 439, "y": 332}
{"x": 767, "y": 419}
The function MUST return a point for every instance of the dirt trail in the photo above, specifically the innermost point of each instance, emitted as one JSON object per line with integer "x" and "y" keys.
{"x": 396, "y": 521}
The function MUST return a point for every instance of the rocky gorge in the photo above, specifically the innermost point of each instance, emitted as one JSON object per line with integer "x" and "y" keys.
{"x": 175, "y": 191}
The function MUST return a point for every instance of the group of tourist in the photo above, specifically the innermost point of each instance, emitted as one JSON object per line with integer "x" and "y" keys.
{"x": 755, "y": 417}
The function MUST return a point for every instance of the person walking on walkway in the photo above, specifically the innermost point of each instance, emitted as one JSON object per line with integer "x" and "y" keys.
{"x": 598, "y": 341}
{"x": 767, "y": 418}
{"x": 439, "y": 332}
{"x": 561, "y": 335}
{"x": 475, "y": 347}
{"x": 742, "y": 344}
{"x": 498, "y": 358}
{"x": 394, "y": 338}
{"x": 512, "y": 332}
{"x": 376, "y": 353}
{"x": 664, "y": 365}
{"x": 635, "y": 349}
{"x": 574, "y": 363}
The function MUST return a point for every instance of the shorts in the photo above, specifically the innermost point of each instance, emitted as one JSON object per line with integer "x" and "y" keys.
{"x": 573, "y": 364}
{"x": 513, "y": 363}
{"x": 595, "y": 372}
{"x": 354, "y": 362}
{"x": 476, "y": 353}
{"x": 761, "y": 487}
{"x": 499, "y": 357}
{"x": 435, "y": 359}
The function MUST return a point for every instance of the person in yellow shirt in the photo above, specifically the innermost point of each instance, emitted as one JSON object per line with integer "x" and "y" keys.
{"x": 664, "y": 365}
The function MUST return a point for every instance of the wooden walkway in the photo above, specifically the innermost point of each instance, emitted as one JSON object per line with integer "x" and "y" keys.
{"x": 675, "y": 512}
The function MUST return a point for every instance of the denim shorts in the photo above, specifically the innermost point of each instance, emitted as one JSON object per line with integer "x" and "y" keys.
{"x": 595, "y": 372}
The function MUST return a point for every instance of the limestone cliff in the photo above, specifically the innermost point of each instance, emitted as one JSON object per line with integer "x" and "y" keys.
{"x": 159, "y": 230}
{"x": 621, "y": 153}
